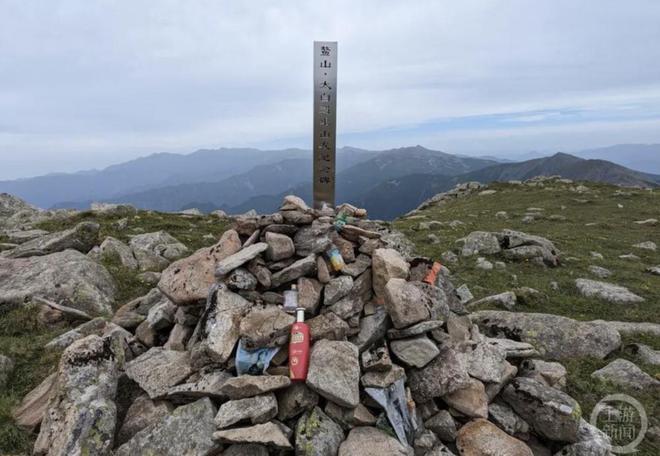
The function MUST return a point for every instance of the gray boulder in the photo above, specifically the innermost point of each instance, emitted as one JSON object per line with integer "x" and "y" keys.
{"x": 445, "y": 374}
{"x": 269, "y": 434}
{"x": 312, "y": 239}
{"x": 609, "y": 292}
{"x": 82, "y": 237}
{"x": 372, "y": 329}
{"x": 256, "y": 410}
{"x": 443, "y": 424}
{"x": 294, "y": 400}
{"x": 68, "y": 278}
{"x": 644, "y": 353}
{"x": 471, "y": 400}
{"x": 370, "y": 441}
{"x": 11, "y": 205}
{"x": 552, "y": 413}
{"x": 158, "y": 369}
{"x": 480, "y": 437}
{"x": 551, "y": 373}
{"x": 32, "y": 408}
{"x": 228, "y": 264}
{"x": 328, "y": 326}
{"x": 21, "y": 236}
{"x": 112, "y": 248}
{"x": 387, "y": 264}
{"x": 506, "y": 300}
{"x": 479, "y": 242}
{"x": 486, "y": 362}
{"x": 98, "y": 326}
{"x": 245, "y": 386}
{"x": 405, "y": 303}
{"x": 187, "y": 431}
{"x": 506, "y": 419}
{"x": 317, "y": 434}
{"x": 154, "y": 251}
{"x": 187, "y": 280}
{"x": 416, "y": 351}
{"x": 334, "y": 372}
{"x": 553, "y": 336}
{"x": 647, "y": 245}
{"x": 208, "y": 382}
{"x": 309, "y": 294}
{"x": 266, "y": 327}
{"x": 81, "y": 413}
{"x": 142, "y": 412}
{"x": 303, "y": 267}
{"x": 280, "y": 246}
{"x": 600, "y": 272}
{"x": 591, "y": 441}
{"x": 134, "y": 312}
{"x": 626, "y": 374}
{"x": 219, "y": 329}
{"x": 336, "y": 289}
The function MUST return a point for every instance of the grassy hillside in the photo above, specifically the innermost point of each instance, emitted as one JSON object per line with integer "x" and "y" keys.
{"x": 598, "y": 220}
{"x": 22, "y": 336}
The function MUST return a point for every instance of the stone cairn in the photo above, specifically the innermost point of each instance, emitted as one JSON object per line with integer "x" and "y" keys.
{"x": 396, "y": 366}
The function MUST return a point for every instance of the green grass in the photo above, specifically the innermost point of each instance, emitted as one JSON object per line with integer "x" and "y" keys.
{"x": 613, "y": 234}
{"x": 190, "y": 230}
{"x": 22, "y": 337}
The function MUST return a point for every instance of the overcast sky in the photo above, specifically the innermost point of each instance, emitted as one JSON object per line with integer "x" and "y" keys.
{"x": 84, "y": 84}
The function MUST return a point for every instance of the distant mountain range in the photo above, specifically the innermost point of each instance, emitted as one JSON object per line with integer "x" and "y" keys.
{"x": 641, "y": 157}
{"x": 388, "y": 183}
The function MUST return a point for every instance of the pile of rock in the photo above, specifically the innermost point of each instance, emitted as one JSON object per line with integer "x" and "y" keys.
{"x": 396, "y": 365}
{"x": 512, "y": 245}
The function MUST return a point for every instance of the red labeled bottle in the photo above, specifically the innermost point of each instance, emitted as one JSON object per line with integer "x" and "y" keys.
{"x": 299, "y": 348}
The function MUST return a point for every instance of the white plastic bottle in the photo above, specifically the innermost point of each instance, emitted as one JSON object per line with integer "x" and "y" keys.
{"x": 291, "y": 300}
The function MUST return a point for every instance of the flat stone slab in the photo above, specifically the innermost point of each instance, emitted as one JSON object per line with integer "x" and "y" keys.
{"x": 230, "y": 263}
{"x": 69, "y": 278}
{"x": 157, "y": 370}
{"x": 334, "y": 372}
{"x": 610, "y": 292}
{"x": 187, "y": 431}
{"x": 269, "y": 434}
{"x": 552, "y": 336}
{"x": 416, "y": 351}
{"x": 256, "y": 410}
{"x": 624, "y": 373}
{"x": 253, "y": 385}
{"x": 415, "y": 330}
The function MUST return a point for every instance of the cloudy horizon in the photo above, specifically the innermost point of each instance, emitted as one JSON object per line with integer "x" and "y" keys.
{"x": 84, "y": 85}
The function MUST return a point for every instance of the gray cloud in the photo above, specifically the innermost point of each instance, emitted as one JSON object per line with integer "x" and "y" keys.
{"x": 86, "y": 84}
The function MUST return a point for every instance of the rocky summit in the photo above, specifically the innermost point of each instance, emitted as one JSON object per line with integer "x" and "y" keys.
{"x": 403, "y": 360}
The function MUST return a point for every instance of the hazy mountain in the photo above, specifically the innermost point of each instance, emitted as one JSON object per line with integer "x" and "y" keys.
{"x": 396, "y": 196}
{"x": 567, "y": 166}
{"x": 358, "y": 171}
{"x": 359, "y": 180}
{"x": 641, "y": 157}
{"x": 269, "y": 179}
{"x": 155, "y": 170}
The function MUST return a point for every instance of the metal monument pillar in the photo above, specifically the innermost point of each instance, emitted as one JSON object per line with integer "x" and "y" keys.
{"x": 325, "y": 121}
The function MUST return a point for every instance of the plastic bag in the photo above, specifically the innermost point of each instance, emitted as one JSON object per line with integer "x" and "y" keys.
{"x": 394, "y": 402}
{"x": 253, "y": 362}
